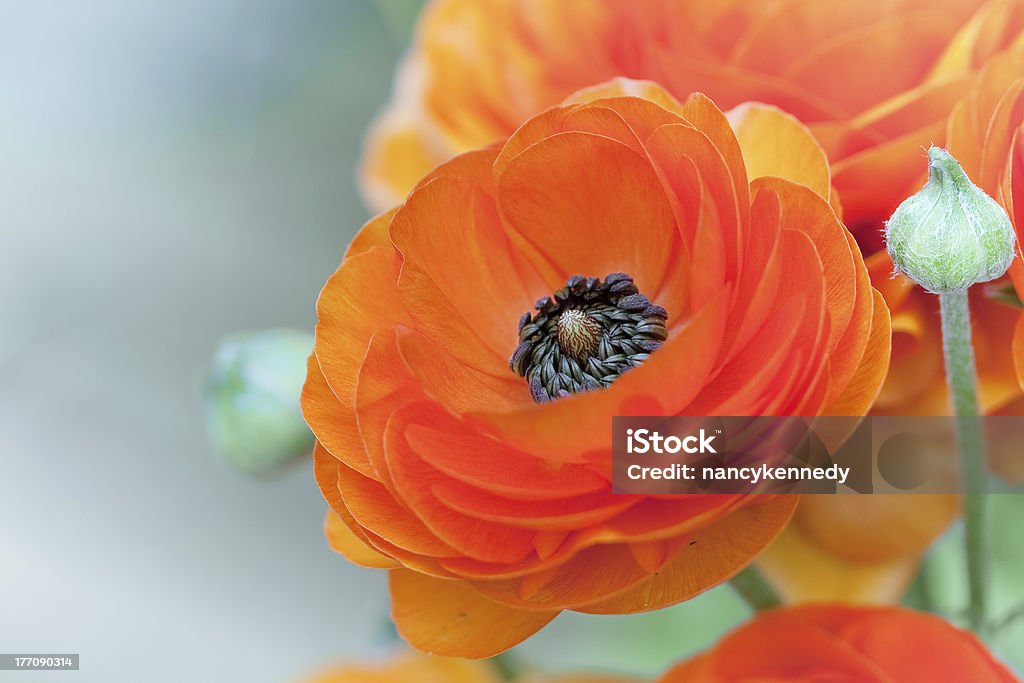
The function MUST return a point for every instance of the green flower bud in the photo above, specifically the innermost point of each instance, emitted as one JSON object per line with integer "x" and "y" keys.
{"x": 252, "y": 400}
{"x": 950, "y": 235}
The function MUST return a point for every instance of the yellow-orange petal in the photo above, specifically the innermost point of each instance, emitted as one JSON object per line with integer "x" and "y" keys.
{"x": 412, "y": 668}
{"x": 854, "y": 548}
{"x": 852, "y": 526}
{"x": 802, "y": 571}
{"x": 451, "y": 618}
{"x": 627, "y": 87}
{"x": 403, "y": 143}
{"x": 343, "y": 540}
{"x": 775, "y": 143}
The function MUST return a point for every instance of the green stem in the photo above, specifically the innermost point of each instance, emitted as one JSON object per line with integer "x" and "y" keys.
{"x": 755, "y": 589}
{"x": 962, "y": 378}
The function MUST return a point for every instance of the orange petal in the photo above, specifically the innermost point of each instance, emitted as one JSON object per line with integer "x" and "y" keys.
{"x": 403, "y": 143}
{"x": 710, "y": 556}
{"x": 602, "y": 185}
{"x": 775, "y": 143}
{"x": 373, "y": 507}
{"x": 620, "y": 87}
{"x": 333, "y": 424}
{"x": 458, "y": 387}
{"x": 412, "y": 667}
{"x": 450, "y": 235}
{"x": 357, "y": 301}
{"x": 842, "y": 71}
{"x": 776, "y": 648}
{"x": 877, "y": 527}
{"x": 991, "y": 28}
{"x": 840, "y": 261}
{"x": 859, "y": 177}
{"x": 450, "y": 618}
{"x": 592, "y": 119}
{"x": 457, "y": 452}
{"x": 416, "y": 480}
{"x": 674, "y": 145}
{"x": 860, "y": 392}
{"x": 803, "y": 571}
{"x": 375, "y": 233}
{"x": 930, "y": 649}
{"x": 384, "y": 386}
{"x": 343, "y": 540}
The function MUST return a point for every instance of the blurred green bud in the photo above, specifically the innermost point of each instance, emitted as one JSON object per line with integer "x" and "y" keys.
{"x": 252, "y": 400}
{"x": 950, "y": 235}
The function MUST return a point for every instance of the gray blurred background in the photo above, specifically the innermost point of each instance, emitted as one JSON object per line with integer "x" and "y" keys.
{"x": 169, "y": 173}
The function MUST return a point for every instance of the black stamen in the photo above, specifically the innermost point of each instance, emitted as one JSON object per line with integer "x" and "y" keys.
{"x": 585, "y": 335}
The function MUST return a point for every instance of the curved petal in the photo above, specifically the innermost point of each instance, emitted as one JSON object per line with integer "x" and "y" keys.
{"x": 343, "y": 540}
{"x": 826, "y": 577}
{"x": 775, "y": 143}
{"x": 709, "y": 557}
{"x": 601, "y": 185}
{"x": 357, "y": 301}
{"x": 450, "y": 618}
{"x": 450, "y": 237}
{"x": 333, "y": 424}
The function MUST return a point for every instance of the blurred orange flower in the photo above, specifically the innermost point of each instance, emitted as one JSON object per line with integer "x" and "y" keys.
{"x": 855, "y": 549}
{"x": 982, "y": 135}
{"x": 833, "y": 643}
{"x": 690, "y": 275}
{"x": 986, "y": 133}
{"x": 875, "y": 81}
{"x": 420, "y": 668}
{"x": 840, "y": 537}
{"x": 412, "y": 668}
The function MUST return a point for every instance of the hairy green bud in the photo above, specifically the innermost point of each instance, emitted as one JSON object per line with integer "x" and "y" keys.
{"x": 950, "y": 235}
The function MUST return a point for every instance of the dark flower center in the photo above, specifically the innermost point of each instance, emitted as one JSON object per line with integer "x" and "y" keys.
{"x": 586, "y": 335}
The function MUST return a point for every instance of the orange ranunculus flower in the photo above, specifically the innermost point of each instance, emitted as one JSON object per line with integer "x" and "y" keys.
{"x": 833, "y": 643}
{"x": 420, "y": 668}
{"x": 657, "y": 262}
{"x": 875, "y": 81}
